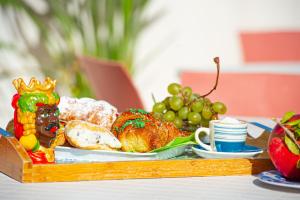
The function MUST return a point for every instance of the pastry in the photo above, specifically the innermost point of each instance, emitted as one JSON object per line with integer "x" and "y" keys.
{"x": 97, "y": 112}
{"x": 85, "y": 135}
{"x": 139, "y": 131}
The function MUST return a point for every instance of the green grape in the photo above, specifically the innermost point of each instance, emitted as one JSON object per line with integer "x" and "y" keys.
{"x": 169, "y": 116}
{"x": 207, "y": 113}
{"x": 214, "y": 117}
{"x": 176, "y": 102}
{"x": 197, "y": 95}
{"x": 192, "y": 98}
{"x": 166, "y": 102}
{"x": 187, "y": 110}
{"x": 187, "y": 91}
{"x": 197, "y": 106}
{"x": 178, "y": 122}
{"x": 174, "y": 88}
{"x": 157, "y": 115}
{"x": 207, "y": 101}
{"x": 219, "y": 107}
{"x": 205, "y": 122}
{"x": 183, "y": 112}
{"x": 193, "y": 128}
{"x": 194, "y": 118}
{"x": 159, "y": 107}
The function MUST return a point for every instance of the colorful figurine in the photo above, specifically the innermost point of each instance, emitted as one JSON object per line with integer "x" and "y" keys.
{"x": 36, "y": 122}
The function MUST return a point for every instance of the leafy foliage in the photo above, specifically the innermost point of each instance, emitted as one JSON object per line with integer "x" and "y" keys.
{"x": 106, "y": 29}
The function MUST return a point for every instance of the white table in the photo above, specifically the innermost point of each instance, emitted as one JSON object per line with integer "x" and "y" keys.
{"x": 205, "y": 188}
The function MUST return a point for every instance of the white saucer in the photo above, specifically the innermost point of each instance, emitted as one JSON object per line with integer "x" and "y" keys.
{"x": 273, "y": 177}
{"x": 250, "y": 151}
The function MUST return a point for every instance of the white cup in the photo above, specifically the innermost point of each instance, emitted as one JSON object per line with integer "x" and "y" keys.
{"x": 223, "y": 137}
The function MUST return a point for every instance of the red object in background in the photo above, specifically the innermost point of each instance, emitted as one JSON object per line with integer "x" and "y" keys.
{"x": 111, "y": 82}
{"x": 249, "y": 94}
{"x": 270, "y": 46}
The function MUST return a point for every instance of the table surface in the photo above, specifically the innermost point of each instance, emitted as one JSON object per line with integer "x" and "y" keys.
{"x": 237, "y": 187}
{"x": 225, "y": 187}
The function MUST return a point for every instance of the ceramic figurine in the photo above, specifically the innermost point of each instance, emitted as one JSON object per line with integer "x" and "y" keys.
{"x": 36, "y": 118}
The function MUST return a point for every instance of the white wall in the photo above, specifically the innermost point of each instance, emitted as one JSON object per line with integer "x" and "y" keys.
{"x": 192, "y": 32}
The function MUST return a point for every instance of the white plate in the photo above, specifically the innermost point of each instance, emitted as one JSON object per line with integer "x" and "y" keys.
{"x": 213, "y": 154}
{"x": 273, "y": 177}
{"x": 75, "y": 155}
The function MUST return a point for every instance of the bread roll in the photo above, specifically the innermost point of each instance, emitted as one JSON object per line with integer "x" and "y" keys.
{"x": 85, "y": 135}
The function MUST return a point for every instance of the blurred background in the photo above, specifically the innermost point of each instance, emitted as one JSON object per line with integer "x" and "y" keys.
{"x": 141, "y": 46}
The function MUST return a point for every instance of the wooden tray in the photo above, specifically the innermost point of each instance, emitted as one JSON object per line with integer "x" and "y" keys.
{"x": 15, "y": 163}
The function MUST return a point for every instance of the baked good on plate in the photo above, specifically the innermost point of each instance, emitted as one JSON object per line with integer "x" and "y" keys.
{"x": 85, "y": 135}
{"x": 139, "y": 131}
{"x": 87, "y": 109}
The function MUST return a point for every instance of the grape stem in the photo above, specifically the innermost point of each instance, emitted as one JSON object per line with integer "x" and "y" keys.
{"x": 217, "y": 61}
{"x": 153, "y": 98}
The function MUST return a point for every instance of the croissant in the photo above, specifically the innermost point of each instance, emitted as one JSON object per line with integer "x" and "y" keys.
{"x": 139, "y": 131}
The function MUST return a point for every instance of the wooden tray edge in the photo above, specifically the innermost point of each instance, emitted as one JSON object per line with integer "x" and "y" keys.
{"x": 15, "y": 163}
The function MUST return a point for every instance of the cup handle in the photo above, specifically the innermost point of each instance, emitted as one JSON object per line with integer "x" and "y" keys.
{"x": 198, "y": 131}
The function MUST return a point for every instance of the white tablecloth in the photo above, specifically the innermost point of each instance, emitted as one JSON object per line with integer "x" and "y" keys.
{"x": 205, "y": 188}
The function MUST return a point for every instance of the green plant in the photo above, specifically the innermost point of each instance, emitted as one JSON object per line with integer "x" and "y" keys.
{"x": 106, "y": 29}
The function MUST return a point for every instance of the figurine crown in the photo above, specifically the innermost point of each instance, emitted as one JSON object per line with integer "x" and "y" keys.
{"x": 34, "y": 86}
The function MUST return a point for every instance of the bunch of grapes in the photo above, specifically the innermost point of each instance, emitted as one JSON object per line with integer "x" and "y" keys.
{"x": 187, "y": 110}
